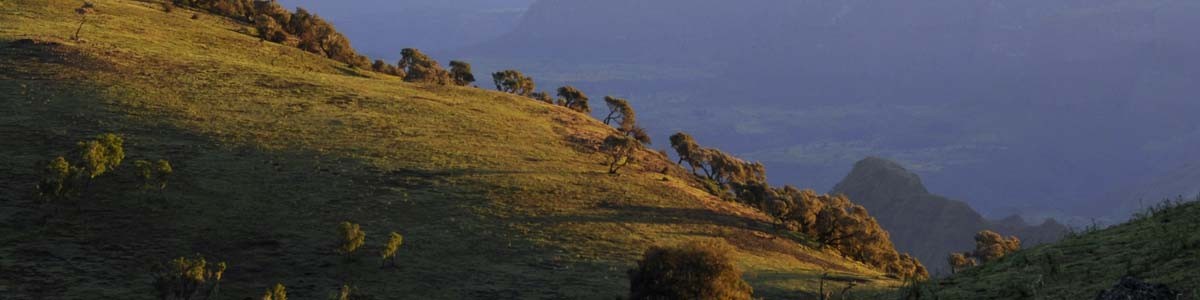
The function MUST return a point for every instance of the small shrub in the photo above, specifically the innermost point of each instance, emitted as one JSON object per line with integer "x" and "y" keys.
{"x": 168, "y": 7}
{"x": 352, "y": 237}
{"x": 154, "y": 175}
{"x": 990, "y": 246}
{"x": 278, "y": 292}
{"x": 59, "y": 180}
{"x": 388, "y": 254}
{"x": 961, "y": 261}
{"x": 351, "y": 293}
{"x": 695, "y": 270}
{"x": 187, "y": 279}
{"x": 102, "y": 155}
{"x": 542, "y": 96}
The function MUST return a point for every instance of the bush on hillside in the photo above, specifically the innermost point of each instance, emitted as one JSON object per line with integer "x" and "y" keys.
{"x": 382, "y": 67}
{"x": 350, "y": 238}
{"x": 62, "y": 179}
{"x": 990, "y": 246}
{"x": 388, "y": 254}
{"x": 351, "y": 293}
{"x": 277, "y": 292}
{"x": 420, "y": 68}
{"x": 59, "y": 181}
{"x": 620, "y": 150}
{"x": 514, "y": 82}
{"x": 542, "y": 96}
{"x": 101, "y": 155}
{"x": 460, "y": 72}
{"x": 154, "y": 175}
{"x": 186, "y": 279}
{"x": 961, "y": 261}
{"x": 574, "y": 99}
{"x": 695, "y": 270}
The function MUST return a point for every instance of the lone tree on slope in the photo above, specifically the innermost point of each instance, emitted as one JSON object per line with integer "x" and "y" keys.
{"x": 514, "y": 82}
{"x": 460, "y": 72}
{"x": 420, "y": 68}
{"x": 574, "y": 99}
{"x": 695, "y": 270}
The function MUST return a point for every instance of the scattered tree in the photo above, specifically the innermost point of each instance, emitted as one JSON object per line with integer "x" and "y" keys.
{"x": 460, "y": 72}
{"x": 514, "y": 82}
{"x": 59, "y": 180}
{"x": 187, "y": 279}
{"x": 388, "y": 254}
{"x": 154, "y": 175}
{"x": 990, "y": 246}
{"x": 638, "y": 133}
{"x": 687, "y": 149}
{"x": 620, "y": 150}
{"x": 382, "y": 67}
{"x": 351, "y": 293}
{"x": 83, "y": 11}
{"x": 961, "y": 261}
{"x": 574, "y": 99}
{"x": 542, "y": 96}
{"x": 695, "y": 270}
{"x": 352, "y": 237}
{"x": 269, "y": 29}
{"x": 278, "y": 292}
{"x": 419, "y": 67}
{"x": 621, "y": 112}
{"x": 102, "y": 155}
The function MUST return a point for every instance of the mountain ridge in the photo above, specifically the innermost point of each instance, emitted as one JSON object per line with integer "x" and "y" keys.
{"x": 927, "y": 225}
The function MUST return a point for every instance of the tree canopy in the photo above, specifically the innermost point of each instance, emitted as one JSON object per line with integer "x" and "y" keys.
{"x": 460, "y": 72}
{"x": 514, "y": 82}
{"x": 421, "y": 68}
{"x": 574, "y": 99}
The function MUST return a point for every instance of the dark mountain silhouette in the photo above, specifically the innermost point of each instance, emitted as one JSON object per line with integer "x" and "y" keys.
{"x": 927, "y": 225}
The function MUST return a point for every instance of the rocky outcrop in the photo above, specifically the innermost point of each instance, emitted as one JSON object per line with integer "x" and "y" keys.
{"x": 927, "y": 225}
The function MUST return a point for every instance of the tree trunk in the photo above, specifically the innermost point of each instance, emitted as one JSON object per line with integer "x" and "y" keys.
{"x": 77, "y": 30}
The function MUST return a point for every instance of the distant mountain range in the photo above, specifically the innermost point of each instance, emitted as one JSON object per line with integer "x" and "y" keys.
{"x": 926, "y": 225}
{"x": 1064, "y": 98}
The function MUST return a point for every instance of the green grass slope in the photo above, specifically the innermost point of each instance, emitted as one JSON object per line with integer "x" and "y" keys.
{"x": 1163, "y": 247}
{"x": 498, "y": 196}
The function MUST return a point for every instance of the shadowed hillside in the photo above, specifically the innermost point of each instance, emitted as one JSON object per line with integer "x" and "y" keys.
{"x": 927, "y": 225}
{"x": 1160, "y": 246}
{"x": 497, "y": 196}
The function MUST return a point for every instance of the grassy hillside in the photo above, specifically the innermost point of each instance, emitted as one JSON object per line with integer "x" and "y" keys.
{"x": 1160, "y": 247}
{"x": 497, "y": 196}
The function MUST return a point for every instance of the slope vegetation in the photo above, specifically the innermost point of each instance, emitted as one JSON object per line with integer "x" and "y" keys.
{"x": 1161, "y": 247}
{"x": 497, "y": 196}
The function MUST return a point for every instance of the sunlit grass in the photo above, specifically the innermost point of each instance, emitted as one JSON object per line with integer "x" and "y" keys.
{"x": 274, "y": 147}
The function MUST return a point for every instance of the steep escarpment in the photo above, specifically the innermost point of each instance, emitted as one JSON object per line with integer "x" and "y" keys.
{"x": 927, "y": 225}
